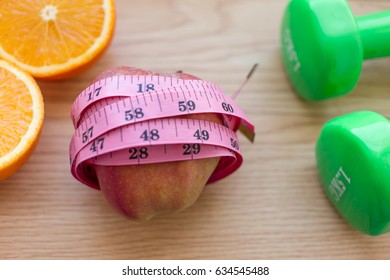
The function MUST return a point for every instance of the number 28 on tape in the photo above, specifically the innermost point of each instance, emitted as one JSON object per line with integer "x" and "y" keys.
{"x": 130, "y": 119}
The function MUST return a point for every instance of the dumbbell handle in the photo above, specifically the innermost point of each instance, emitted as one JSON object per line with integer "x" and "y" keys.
{"x": 375, "y": 34}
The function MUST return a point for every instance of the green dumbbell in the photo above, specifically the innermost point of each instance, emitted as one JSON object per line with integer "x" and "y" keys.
{"x": 353, "y": 160}
{"x": 324, "y": 45}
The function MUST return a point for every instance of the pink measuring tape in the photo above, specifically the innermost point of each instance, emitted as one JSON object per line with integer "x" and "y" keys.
{"x": 130, "y": 119}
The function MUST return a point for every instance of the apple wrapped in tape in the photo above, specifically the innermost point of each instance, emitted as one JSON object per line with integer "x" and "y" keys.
{"x": 142, "y": 191}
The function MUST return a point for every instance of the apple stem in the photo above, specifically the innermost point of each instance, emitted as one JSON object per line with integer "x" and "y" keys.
{"x": 245, "y": 81}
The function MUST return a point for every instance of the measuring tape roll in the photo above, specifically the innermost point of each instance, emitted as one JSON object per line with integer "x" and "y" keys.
{"x": 130, "y": 120}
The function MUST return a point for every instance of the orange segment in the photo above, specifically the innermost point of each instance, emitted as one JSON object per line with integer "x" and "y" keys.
{"x": 21, "y": 117}
{"x": 55, "y": 38}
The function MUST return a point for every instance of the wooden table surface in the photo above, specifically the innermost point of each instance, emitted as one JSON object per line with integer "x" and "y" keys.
{"x": 273, "y": 207}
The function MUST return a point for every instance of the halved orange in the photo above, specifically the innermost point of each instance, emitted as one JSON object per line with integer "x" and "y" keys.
{"x": 55, "y": 39}
{"x": 21, "y": 117}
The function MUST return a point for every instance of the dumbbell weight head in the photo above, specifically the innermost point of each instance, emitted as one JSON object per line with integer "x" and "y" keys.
{"x": 321, "y": 48}
{"x": 353, "y": 160}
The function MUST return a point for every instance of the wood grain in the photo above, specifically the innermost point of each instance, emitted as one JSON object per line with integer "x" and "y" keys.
{"x": 272, "y": 208}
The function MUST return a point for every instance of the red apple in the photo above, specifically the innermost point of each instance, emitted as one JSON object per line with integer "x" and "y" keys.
{"x": 141, "y": 192}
